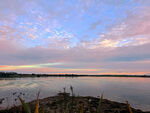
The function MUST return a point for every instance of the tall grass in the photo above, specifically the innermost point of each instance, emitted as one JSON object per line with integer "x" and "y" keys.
{"x": 129, "y": 107}
{"x": 99, "y": 109}
{"x": 37, "y": 104}
{"x": 67, "y": 108}
{"x": 26, "y": 107}
{"x": 82, "y": 108}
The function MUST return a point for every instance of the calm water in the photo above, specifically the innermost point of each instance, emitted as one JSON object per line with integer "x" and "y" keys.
{"x": 135, "y": 90}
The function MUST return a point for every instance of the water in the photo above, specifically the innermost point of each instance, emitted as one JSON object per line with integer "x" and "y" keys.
{"x": 135, "y": 90}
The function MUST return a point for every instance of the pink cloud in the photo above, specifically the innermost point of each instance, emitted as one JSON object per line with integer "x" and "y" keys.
{"x": 124, "y": 48}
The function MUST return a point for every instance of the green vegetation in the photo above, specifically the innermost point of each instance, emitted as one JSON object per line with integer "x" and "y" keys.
{"x": 25, "y": 106}
{"x": 81, "y": 109}
{"x": 99, "y": 109}
{"x": 16, "y": 75}
{"x": 64, "y": 103}
{"x": 129, "y": 107}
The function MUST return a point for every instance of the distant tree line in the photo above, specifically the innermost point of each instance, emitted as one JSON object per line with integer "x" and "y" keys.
{"x": 14, "y": 74}
{"x": 8, "y": 74}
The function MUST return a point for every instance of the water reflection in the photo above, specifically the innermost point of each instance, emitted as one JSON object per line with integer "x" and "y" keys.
{"x": 135, "y": 90}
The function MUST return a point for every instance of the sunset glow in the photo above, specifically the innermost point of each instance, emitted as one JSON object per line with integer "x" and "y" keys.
{"x": 75, "y": 36}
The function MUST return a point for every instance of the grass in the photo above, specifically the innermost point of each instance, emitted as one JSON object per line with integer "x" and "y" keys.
{"x": 129, "y": 107}
{"x": 25, "y": 106}
{"x": 99, "y": 109}
{"x": 67, "y": 106}
{"x": 37, "y": 104}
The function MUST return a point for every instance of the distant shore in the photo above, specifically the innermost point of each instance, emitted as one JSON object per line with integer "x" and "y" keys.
{"x": 18, "y": 75}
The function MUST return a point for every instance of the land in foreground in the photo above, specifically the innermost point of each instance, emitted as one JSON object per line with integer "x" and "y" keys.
{"x": 64, "y": 103}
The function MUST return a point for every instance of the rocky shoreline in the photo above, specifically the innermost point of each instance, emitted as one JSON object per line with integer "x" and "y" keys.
{"x": 63, "y": 102}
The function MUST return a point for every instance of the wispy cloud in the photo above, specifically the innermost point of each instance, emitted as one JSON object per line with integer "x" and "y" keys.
{"x": 79, "y": 36}
{"x": 15, "y": 67}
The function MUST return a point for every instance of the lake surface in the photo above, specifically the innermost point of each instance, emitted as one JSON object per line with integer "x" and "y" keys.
{"x": 135, "y": 90}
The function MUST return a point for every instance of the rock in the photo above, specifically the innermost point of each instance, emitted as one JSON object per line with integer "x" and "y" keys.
{"x": 58, "y": 104}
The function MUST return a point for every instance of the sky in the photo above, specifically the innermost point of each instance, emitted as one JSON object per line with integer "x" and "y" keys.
{"x": 75, "y": 36}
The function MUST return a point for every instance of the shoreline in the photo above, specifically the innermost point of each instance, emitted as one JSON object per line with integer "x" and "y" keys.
{"x": 20, "y": 75}
{"x": 58, "y": 103}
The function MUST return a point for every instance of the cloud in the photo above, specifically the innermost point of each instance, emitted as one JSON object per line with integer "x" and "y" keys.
{"x": 109, "y": 43}
{"x": 132, "y": 31}
{"x": 94, "y": 25}
{"x": 5, "y": 68}
{"x": 77, "y": 59}
{"x": 32, "y": 37}
{"x": 135, "y": 25}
